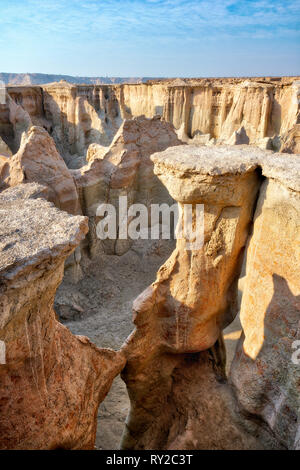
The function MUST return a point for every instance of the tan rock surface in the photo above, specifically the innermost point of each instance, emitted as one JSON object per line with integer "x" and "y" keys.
{"x": 4, "y": 149}
{"x": 124, "y": 170}
{"x": 4, "y": 171}
{"x": 95, "y": 151}
{"x": 175, "y": 372}
{"x": 14, "y": 120}
{"x": 184, "y": 311}
{"x": 52, "y": 382}
{"x": 38, "y": 161}
{"x": 266, "y": 379}
{"x": 239, "y": 137}
{"x": 79, "y": 115}
{"x": 30, "y": 98}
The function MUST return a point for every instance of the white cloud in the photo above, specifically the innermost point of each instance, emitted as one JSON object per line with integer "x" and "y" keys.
{"x": 177, "y": 19}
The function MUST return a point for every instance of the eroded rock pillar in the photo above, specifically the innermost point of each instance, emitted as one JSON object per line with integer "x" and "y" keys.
{"x": 175, "y": 371}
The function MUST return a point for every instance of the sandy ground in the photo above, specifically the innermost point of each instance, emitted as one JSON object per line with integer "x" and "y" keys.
{"x": 99, "y": 306}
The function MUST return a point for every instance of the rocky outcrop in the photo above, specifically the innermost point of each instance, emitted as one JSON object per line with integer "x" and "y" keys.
{"x": 95, "y": 151}
{"x": 51, "y": 381}
{"x": 125, "y": 169}
{"x": 122, "y": 169}
{"x": 31, "y": 99}
{"x": 38, "y": 161}
{"x": 184, "y": 311}
{"x": 80, "y": 115}
{"x": 265, "y": 376}
{"x": 14, "y": 120}
{"x": 239, "y": 137}
{"x": 226, "y": 184}
{"x": 219, "y": 108}
{"x": 176, "y": 351}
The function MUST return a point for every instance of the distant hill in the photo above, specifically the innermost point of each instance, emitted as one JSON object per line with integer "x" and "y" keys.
{"x": 41, "y": 79}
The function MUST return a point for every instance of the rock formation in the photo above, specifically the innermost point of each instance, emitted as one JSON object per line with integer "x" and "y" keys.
{"x": 31, "y": 100}
{"x": 95, "y": 151}
{"x": 265, "y": 377}
{"x": 192, "y": 300}
{"x": 38, "y": 161}
{"x": 79, "y": 115}
{"x": 52, "y": 382}
{"x": 183, "y": 312}
{"x": 14, "y": 120}
{"x": 239, "y": 137}
{"x": 125, "y": 169}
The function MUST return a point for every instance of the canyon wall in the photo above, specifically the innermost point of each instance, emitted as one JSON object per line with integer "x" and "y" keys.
{"x": 216, "y": 108}
{"x": 124, "y": 169}
{"x": 14, "y": 120}
{"x": 265, "y": 372}
{"x": 204, "y": 110}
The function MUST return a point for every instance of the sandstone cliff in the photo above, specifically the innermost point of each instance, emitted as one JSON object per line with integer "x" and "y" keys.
{"x": 265, "y": 376}
{"x": 174, "y": 360}
{"x": 14, "y": 121}
{"x": 207, "y": 110}
{"x": 124, "y": 169}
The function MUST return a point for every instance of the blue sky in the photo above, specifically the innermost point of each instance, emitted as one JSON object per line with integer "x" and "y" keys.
{"x": 150, "y": 37}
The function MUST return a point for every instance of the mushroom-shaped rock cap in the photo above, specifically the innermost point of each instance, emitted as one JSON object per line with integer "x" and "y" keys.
{"x": 34, "y": 231}
{"x": 283, "y": 167}
{"x": 212, "y": 174}
{"x": 205, "y": 174}
{"x": 213, "y": 161}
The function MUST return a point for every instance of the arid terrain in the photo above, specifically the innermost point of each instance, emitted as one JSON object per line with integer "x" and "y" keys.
{"x": 193, "y": 348}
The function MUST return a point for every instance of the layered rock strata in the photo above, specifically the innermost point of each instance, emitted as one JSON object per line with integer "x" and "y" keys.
{"x": 51, "y": 381}
{"x": 207, "y": 110}
{"x": 80, "y": 117}
{"x": 14, "y": 120}
{"x": 124, "y": 169}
